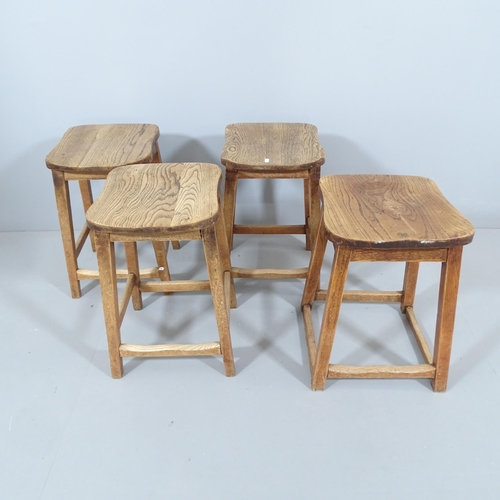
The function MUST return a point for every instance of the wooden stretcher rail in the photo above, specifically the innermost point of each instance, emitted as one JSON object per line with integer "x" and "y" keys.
{"x": 174, "y": 286}
{"x": 82, "y": 238}
{"x": 127, "y": 293}
{"x": 363, "y": 296}
{"x": 245, "y": 272}
{"x": 121, "y": 274}
{"x": 419, "y": 336}
{"x": 162, "y": 350}
{"x": 269, "y": 229}
{"x": 381, "y": 371}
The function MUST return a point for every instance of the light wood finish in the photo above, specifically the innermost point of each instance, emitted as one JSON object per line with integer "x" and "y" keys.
{"x": 89, "y": 152}
{"x": 161, "y": 202}
{"x": 247, "y": 272}
{"x": 381, "y": 371}
{"x": 273, "y": 151}
{"x": 375, "y": 218}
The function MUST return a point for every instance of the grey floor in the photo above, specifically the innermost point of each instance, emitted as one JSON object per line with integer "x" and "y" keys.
{"x": 178, "y": 428}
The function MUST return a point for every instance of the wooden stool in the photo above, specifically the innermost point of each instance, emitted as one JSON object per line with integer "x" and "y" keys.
{"x": 375, "y": 218}
{"x": 90, "y": 152}
{"x": 273, "y": 151}
{"x": 165, "y": 201}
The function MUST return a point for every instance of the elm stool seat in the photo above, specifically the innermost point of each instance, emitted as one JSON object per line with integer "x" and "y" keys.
{"x": 374, "y": 218}
{"x": 273, "y": 151}
{"x": 88, "y": 152}
{"x": 164, "y": 201}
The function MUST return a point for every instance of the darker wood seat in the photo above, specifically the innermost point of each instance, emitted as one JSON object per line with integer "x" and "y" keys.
{"x": 391, "y": 211}
{"x": 374, "y": 218}
{"x": 162, "y": 201}
{"x": 273, "y": 151}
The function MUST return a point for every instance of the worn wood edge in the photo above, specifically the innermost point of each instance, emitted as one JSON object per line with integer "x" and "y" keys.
{"x": 174, "y": 286}
{"x": 246, "y": 272}
{"x": 93, "y": 274}
{"x": 171, "y": 236}
{"x": 87, "y": 176}
{"x": 269, "y": 229}
{"x": 419, "y": 336}
{"x": 363, "y": 296}
{"x": 255, "y": 174}
{"x": 386, "y": 254}
{"x": 310, "y": 338}
{"x": 381, "y": 371}
{"x": 285, "y": 170}
{"x": 127, "y": 293}
{"x": 170, "y": 350}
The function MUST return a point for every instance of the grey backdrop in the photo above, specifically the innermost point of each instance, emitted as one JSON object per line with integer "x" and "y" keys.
{"x": 408, "y": 87}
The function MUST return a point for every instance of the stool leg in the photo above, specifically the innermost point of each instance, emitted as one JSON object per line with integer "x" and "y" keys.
{"x": 220, "y": 233}
{"x": 161, "y": 250}
{"x": 448, "y": 293}
{"x": 307, "y": 212}
{"x": 63, "y": 202}
{"x": 230, "y": 204}
{"x": 215, "y": 275}
{"x": 314, "y": 274}
{"x": 331, "y": 316}
{"x": 409, "y": 285}
{"x": 315, "y": 201}
{"x": 133, "y": 267}
{"x": 87, "y": 199}
{"x": 107, "y": 276}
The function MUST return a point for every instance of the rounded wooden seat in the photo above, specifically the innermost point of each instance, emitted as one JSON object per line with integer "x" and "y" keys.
{"x": 157, "y": 199}
{"x": 391, "y": 211}
{"x": 374, "y": 218}
{"x": 86, "y": 153}
{"x": 101, "y": 148}
{"x": 273, "y": 151}
{"x": 272, "y": 147}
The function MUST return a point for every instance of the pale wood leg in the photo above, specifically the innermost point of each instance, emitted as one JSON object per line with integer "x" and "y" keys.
{"x": 220, "y": 232}
{"x": 161, "y": 250}
{"x": 314, "y": 273}
{"x": 230, "y": 204}
{"x": 331, "y": 316}
{"x": 409, "y": 285}
{"x": 307, "y": 211}
{"x": 63, "y": 202}
{"x": 448, "y": 293}
{"x": 107, "y": 275}
{"x": 215, "y": 275}
{"x": 315, "y": 202}
{"x": 87, "y": 199}
{"x": 133, "y": 267}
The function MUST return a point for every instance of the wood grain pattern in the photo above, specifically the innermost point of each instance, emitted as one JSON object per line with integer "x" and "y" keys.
{"x": 100, "y": 148}
{"x": 248, "y": 272}
{"x": 170, "y": 350}
{"x": 381, "y": 371}
{"x": 391, "y": 211}
{"x": 286, "y": 146}
{"x": 157, "y": 198}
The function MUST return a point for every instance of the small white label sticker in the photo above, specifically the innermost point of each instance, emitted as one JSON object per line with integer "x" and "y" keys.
{"x": 266, "y": 160}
